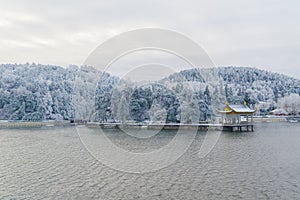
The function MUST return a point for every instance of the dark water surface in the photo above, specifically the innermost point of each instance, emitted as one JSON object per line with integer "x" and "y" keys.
{"x": 52, "y": 163}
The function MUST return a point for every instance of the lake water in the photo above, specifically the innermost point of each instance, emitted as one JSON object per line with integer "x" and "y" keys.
{"x": 52, "y": 163}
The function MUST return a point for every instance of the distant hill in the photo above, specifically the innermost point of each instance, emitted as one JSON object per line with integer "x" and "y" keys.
{"x": 259, "y": 85}
{"x": 45, "y": 92}
{"x": 36, "y": 92}
{"x": 259, "y": 88}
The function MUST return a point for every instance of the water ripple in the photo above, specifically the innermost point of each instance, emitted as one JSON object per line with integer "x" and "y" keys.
{"x": 52, "y": 163}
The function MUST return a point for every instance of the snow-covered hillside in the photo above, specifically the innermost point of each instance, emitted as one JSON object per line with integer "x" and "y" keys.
{"x": 260, "y": 88}
{"x": 36, "y": 92}
{"x": 44, "y": 92}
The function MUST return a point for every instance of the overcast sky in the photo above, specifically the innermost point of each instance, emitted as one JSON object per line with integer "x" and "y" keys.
{"x": 259, "y": 33}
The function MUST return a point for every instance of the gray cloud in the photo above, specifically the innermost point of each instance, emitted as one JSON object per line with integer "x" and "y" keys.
{"x": 263, "y": 34}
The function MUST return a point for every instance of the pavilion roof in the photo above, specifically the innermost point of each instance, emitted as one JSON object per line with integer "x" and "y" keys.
{"x": 236, "y": 109}
{"x": 240, "y": 108}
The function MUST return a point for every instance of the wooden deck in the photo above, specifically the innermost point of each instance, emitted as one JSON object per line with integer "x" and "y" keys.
{"x": 204, "y": 127}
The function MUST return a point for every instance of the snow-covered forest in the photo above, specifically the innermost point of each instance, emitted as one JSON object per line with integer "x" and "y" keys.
{"x": 42, "y": 92}
{"x": 36, "y": 92}
{"x": 261, "y": 89}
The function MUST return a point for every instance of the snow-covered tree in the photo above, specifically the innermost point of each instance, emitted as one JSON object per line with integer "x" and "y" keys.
{"x": 291, "y": 104}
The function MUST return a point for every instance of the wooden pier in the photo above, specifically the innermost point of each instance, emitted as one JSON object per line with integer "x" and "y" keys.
{"x": 202, "y": 127}
{"x": 157, "y": 126}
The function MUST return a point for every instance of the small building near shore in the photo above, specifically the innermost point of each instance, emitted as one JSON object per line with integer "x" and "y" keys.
{"x": 236, "y": 114}
{"x": 279, "y": 112}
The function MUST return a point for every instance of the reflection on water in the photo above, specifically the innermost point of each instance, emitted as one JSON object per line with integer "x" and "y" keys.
{"x": 52, "y": 163}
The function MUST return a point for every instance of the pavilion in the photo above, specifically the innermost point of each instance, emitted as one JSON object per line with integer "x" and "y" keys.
{"x": 236, "y": 114}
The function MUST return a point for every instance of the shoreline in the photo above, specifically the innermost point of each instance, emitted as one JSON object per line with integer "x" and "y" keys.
{"x": 24, "y": 124}
{"x": 21, "y": 124}
{"x": 270, "y": 119}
